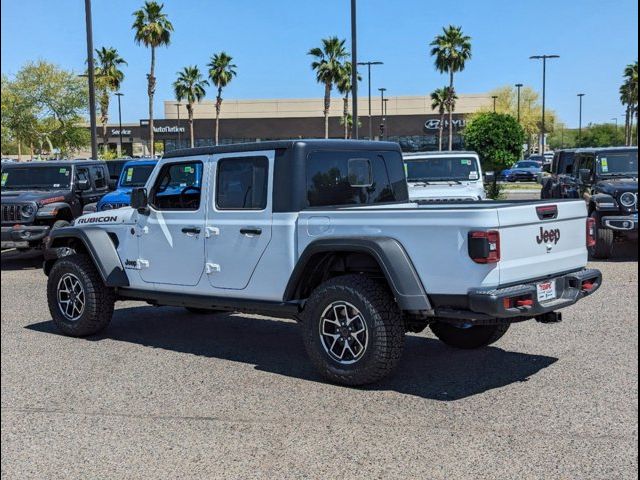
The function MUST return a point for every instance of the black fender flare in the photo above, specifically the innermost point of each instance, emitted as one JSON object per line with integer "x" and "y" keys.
{"x": 100, "y": 246}
{"x": 598, "y": 198}
{"x": 52, "y": 210}
{"x": 390, "y": 255}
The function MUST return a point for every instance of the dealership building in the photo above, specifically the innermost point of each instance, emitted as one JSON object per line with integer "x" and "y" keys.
{"x": 408, "y": 120}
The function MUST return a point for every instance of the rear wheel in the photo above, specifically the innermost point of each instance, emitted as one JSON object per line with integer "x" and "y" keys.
{"x": 605, "y": 239}
{"x": 468, "y": 338}
{"x": 79, "y": 302}
{"x": 353, "y": 330}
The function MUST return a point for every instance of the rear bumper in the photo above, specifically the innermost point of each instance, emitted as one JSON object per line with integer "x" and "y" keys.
{"x": 621, "y": 223}
{"x": 21, "y": 236}
{"x": 485, "y": 306}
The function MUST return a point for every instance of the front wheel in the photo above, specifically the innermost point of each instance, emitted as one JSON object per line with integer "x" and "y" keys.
{"x": 603, "y": 249}
{"x": 353, "y": 330}
{"x": 79, "y": 302}
{"x": 468, "y": 338}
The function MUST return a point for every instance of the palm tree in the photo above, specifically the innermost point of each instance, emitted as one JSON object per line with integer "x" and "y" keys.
{"x": 109, "y": 77}
{"x": 440, "y": 99}
{"x": 343, "y": 84}
{"x": 152, "y": 29}
{"x": 629, "y": 98}
{"x": 328, "y": 67}
{"x": 189, "y": 86}
{"x": 451, "y": 50}
{"x": 221, "y": 72}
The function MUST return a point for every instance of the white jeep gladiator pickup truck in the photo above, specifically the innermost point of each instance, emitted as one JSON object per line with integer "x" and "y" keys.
{"x": 322, "y": 232}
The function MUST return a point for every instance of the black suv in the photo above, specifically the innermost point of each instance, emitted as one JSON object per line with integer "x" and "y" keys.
{"x": 40, "y": 196}
{"x": 607, "y": 178}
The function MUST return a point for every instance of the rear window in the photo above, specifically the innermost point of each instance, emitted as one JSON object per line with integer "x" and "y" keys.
{"x": 355, "y": 178}
{"x": 433, "y": 169}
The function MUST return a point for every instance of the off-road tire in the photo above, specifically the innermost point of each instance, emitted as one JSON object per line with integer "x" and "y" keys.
{"x": 384, "y": 326}
{"x": 469, "y": 338}
{"x": 605, "y": 240}
{"x": 202, "y": 311}
{"x": 99, "y": 299}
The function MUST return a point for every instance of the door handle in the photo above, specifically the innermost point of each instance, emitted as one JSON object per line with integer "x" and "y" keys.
{"x": 191, "y": 230}
{"x": 250, "y": 231}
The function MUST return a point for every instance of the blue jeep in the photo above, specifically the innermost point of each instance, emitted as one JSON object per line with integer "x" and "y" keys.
{"x": 134, "y": 174}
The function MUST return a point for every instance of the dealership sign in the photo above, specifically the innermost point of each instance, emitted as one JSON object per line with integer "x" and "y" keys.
{"x": 168, "y": 129}
{"x": 116, "y": 132}
{"x": 434, "y": 124}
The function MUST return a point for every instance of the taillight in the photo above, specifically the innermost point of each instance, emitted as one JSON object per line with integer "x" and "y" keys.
{"x": 591, "y": 232}
{"x": 484, "y": 247}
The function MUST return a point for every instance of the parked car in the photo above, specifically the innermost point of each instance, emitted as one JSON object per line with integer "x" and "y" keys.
{"x": 437, "y": 176}
{"x": 548, "y": 157}
{"x": 322, "y": 232}
{"x": 115, "y": 169}
{"x": 561, "y": 180}
{"x": 607, "y": 179}
{"x": 134, "y": 174}
{"x": 38, "y": 197}
{"x": 523, "y": 171}
{"x": 536, "y": 158}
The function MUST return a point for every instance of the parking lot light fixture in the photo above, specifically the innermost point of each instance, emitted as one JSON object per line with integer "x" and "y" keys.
{"x": 543, "y": 129}
{"x": 495, "y": 98}
{"x": 580, "y": 96}
{"x": 119, "y": 95}
{"x": 369, "y": 65}
{"x": 383, "y": 120}
{"x": 519, "y": 87}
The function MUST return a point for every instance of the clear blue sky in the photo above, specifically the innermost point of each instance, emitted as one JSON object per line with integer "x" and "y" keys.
{"x": 269, "y": 39}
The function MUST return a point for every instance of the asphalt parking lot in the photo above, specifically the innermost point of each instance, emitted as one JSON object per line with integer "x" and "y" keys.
{"x": 165, "y": 394}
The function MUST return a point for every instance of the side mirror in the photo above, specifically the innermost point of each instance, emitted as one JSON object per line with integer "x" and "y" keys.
{"x": 546, "y": 168}
{"x": 585, "y": 176}
{"x": 490, "y": 177}
{"x": 83, "y": 184}
{"x": 112, "y": 184}
{"x": 139, "y": 200}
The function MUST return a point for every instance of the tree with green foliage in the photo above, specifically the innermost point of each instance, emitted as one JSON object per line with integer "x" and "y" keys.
{"x": 152, "y": 29}
{"x": 42, "y": 106}
{"x": 343, "y": 85}
{"x": 109, "y": 77}
{"x": 327, "y": 65}
{"x": 190, "y": 86}
{"x": 601, "y": 135}
{"x": 629, "y": 98}
{"x": 221, "y": 71}
{"x": 451, "y": 50}
{"x": 498, "y": 140}
{"x": 440, "y": 100}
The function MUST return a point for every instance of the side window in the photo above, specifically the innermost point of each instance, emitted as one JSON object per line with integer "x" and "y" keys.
{"x": 82, "y": 173}
{"x": 177, "y": 187}
{"x": 242, "y": 183}
{"x": 99, "y": 179}
{"x": 350, "y": 178}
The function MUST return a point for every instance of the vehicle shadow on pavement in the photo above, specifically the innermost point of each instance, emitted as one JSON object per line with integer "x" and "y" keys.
{"x": 14, "y": 260}
{"x": 428, "y": 368}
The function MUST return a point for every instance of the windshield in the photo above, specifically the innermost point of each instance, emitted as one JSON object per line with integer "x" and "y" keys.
{"x": 136, "y": 176}
{"x": 527, "y": 165}
{"x": 22, "y": 178}
{"x": 618, "y": 163}
{"x": 460, "y": 169}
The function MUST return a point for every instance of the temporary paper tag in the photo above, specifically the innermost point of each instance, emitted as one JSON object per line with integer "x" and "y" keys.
{"x": 129, "y": 174}
{"x": 189, "y": 170}
{"x": 62, "y": 170}
{"x": 465, "y": 162}
{"x": 5, "y": 175}
{"x": 604, "y": 163}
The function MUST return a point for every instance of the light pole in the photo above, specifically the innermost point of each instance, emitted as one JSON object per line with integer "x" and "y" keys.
{"x": 519, "y": 87}
{"x": 543, "y": 129}
{"x": 495, "y": 97}
{"x": 580, "y": 96}
{"x": 354, "y": 69}
{"x": 179, "y": 136}
{"x": 382, "y": 122}
{"x": 119, "y": 95}
{"x": 386, "y": 130}
{"x": 91, "y": 77}
{"x": 368, "y": 65}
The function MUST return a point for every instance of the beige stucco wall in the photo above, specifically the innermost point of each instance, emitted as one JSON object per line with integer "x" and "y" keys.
{"x": 312, "y": 107}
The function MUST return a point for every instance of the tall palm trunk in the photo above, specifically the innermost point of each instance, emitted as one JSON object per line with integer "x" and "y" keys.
{"x": 218, "y": 108}
{"x": 151, "y": 91}
{"x": 450, "y": 108}
{"x": 626, "y": 126}
{"x": 327, "y": 106}
{"x": 441, "y": 129}
{"x": 190, "y": 114}
{"x": 345, "y": 114}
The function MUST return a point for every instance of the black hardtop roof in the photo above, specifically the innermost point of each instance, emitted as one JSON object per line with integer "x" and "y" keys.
{"x": 55, "y": 163}
{"x": 436, "y": 153}
{"x": 605, "y": 149}
{"x": 285, "y": 145}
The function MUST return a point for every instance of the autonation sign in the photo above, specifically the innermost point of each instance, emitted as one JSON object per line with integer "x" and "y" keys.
{"x": 434, "y": 124}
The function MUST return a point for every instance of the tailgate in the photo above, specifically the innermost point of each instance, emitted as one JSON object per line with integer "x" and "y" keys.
{"x": 535, "y": 247}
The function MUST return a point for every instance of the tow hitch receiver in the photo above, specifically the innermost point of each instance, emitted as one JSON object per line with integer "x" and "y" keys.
{"x": 550, "y": 317}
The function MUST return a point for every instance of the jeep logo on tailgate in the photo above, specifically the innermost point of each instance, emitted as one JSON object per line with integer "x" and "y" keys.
{"x": 548, "y": 236}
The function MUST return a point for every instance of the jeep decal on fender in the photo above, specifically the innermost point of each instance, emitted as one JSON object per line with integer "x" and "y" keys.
{"x": 548, "y": 236}
{"x": 108, "y": 219}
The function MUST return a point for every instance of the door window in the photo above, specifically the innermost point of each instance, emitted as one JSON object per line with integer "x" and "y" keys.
{"x": 178, "y": 187}
{"x": 99, "y": 179}
{"x": 242, "y": 183}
